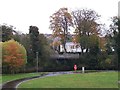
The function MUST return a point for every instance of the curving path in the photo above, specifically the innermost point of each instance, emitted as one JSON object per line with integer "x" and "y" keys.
{"x": 12, "y": 85}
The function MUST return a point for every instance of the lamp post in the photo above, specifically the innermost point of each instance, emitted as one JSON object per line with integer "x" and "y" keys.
{"x": 37, "y": 60}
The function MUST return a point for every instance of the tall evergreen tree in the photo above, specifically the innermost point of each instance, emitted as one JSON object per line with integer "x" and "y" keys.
{"x": 34, "y": 43}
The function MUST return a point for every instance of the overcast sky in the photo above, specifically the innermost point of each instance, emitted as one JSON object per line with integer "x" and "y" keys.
{"x": 23, "y": 13}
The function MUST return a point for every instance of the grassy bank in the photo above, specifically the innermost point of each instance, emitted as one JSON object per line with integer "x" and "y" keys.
{"x": 86, "y": 80}
{"x": 9, "y": 77}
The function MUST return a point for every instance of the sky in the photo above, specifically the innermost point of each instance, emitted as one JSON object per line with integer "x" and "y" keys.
{"x": 24, "y": 13}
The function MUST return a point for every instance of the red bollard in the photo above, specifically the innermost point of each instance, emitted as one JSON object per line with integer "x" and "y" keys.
{"x": 75, "y": 67}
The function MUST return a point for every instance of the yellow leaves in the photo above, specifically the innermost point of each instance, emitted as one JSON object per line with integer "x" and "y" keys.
{"x": 76, "y": 39}
{"x": 60, "y": 21}
{"x": 68, "y": 16}
{"x": 14, "y": 54}
{"x": 56, "y": 43}
{"x": 102, "y": 42}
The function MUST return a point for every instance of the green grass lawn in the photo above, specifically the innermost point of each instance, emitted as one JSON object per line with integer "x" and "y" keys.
{"x": 10, "y": 77}
{"x": 86, "y": 80}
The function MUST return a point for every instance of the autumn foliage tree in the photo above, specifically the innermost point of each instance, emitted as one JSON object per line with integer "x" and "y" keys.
{"x": 86, "y": 28}
{"x": 60, "y": 22}
{"x": 13, "y": 55}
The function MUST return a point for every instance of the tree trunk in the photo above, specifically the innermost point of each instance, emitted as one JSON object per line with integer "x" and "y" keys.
{"x": 64, "y": 47}
{"x": 12, "y": 70}
{"x": 65, "y": 34}
{"x": 87, "y": 50}
{"x": 82, "y": 50}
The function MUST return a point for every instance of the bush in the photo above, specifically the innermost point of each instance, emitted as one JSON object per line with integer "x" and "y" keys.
{"x": 13, "y": 56}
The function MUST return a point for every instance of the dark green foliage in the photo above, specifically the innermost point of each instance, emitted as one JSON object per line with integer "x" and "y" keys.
{"x": 117, "y": 39}
{"x": 7, "y": 32}
{"x": 34, "y": 39}
{"x": 115, "y": 28}
{"x": 37, "y": 43}
{"x": 45, "y": 52}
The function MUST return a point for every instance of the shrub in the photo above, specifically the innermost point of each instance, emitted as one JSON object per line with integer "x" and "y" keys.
{"x": 13, "y": 55}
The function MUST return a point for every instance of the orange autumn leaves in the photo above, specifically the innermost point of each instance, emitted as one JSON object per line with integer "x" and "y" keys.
{"x": 14, "y": 54}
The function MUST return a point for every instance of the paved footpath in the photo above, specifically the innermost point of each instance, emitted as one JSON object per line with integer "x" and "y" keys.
{"x": 12, "y": 85}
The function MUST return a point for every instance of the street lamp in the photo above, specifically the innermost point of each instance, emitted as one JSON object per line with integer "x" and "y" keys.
{"x": 37, "y": 60}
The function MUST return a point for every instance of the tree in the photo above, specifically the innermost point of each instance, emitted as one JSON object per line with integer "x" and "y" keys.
{"x": 0, "y": 57}
{"x": 7, "y": 32}
{"x": 56, "y": 44}
{"x": 117, "y": 39}
{"x": 86, "y": 27}
{"x": 13, "y": 55}
{"x": 115, "y": 32}
{"x": 46, "y": 52}
{"x": 34, "y": 43}
{"x": 60, "y": 23}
